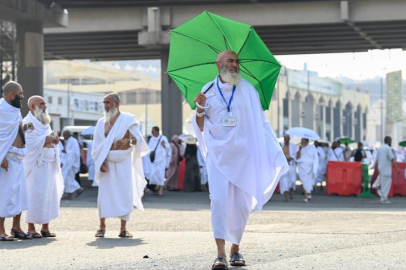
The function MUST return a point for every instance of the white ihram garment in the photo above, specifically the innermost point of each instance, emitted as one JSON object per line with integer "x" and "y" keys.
{"x": 122, "y": 186}
{"x": 43, "y": 173}
{"x": 321, "y": 169}
{"x": 204, "y": 177}
{"x": 90, "y": 164}
{"x": 155, "y": 171}
{"x": 335, "y": 154}
{"x": 244, "y": 163}
{"x": 71, "y": 165}
{"x": 13, "y": 187}
{"x": 288, "y": 180}
{"x": 308, "y": 164}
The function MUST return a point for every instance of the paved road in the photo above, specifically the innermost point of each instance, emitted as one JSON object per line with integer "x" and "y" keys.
{"x": 330, "y": 232}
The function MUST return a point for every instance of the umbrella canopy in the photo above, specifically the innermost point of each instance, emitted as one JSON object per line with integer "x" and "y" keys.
{"x": 303, "y": 133}
{"x": 402, "y": 143}
{"x": 194, "y": 48}
{"x": 88, "y": 131}
{"x": 187, "y": 138}
{"x": 344, "y": 140}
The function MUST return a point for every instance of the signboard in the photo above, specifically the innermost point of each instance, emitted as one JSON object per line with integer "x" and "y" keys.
{"x": 86, "y": 105}
{"x": 300, "y": 80}
{"x": 394, "y": 97}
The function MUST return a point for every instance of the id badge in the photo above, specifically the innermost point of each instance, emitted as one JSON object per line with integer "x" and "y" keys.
{"x": 229, "y": 121}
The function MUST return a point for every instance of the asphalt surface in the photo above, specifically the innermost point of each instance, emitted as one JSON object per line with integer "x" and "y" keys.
{"x": 174, "y": 232}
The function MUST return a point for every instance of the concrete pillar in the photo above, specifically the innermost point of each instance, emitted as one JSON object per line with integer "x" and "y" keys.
{"x": 300, "y": 107}
{"x": 331, "y": 107}
{"x": 290, "y": 103}
{"x": 30, "y": 56}
{"x": 314, "y": 109}
{"x": 352, "y": 123}
{"x": 171, "y": 101}
{"x": 361, "y": 124}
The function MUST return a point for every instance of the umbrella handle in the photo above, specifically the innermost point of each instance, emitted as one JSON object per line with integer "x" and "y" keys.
{"x": 201, "y": 107}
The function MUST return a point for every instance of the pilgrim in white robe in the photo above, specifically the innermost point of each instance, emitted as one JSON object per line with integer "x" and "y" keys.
{"x": 43, "y": 173}
{"x": 308, "y": 164}
{"x": 122, "y": 186}
{"x": 204, "y": 177}
{"x": 335, "y": 154}
{"x": 71, "y": 165}
{"x": 155, "y": 171}
{"x": 321, "y": 169}
{"x": 90, "y": 165}
{"x": 288, "y": 180}
{"x": 13, "y": 186}
{"x": 244, "y": 163}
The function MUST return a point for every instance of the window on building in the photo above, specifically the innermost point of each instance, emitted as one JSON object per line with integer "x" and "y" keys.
{"x": 49, "y": 99}
{"x": 60, "y": 101}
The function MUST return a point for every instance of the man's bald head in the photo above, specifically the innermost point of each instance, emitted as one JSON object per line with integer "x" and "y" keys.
{"x": 11, "y": 87}
{"x": 224, "y": 54}
{"x": 34, "y": 101}
{"x": 114, "y": 97}
{"x": 13, "y": 94}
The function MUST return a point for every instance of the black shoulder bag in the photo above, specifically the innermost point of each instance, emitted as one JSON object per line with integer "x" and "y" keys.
{"x": 152, "y": 155}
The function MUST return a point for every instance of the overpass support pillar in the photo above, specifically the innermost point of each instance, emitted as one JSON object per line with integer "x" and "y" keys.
{"x": 30, "y": 59}
{"x": 172, "y": 117}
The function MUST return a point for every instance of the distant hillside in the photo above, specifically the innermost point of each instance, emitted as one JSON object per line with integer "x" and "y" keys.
{"x": 371, "y": 86}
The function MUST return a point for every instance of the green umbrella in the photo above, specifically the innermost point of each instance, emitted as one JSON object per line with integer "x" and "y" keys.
{"x": 194, "y": 48}
{"x": 402, "y": 143}
{"x": 346, "y": 141}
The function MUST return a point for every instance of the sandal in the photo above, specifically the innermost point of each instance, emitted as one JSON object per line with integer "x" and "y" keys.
{"x": 35, "y": 235}
{"x": 237, "y": 259}
{"x": 20, "y": 235}
{"x": 80, "y": 191}
{"x": 6, "y": 238}
{"x": 100, "y": 233}
{"x": 219, "y": 267}
{"x": 47, "y": 234}
{"x": 125, "y": 234}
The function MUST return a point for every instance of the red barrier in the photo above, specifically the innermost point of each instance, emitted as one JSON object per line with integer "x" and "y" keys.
{"x": 398, "y": 180}
{"x": 398, "y": 186}
{"x": 84, "y": 156}
{"x": 181, "y": 174}
{"x": 344, "y": 178}
{"x": 277, "y": 189}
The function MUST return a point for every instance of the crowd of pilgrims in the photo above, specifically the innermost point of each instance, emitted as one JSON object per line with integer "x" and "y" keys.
{"x": 163, "y": 173}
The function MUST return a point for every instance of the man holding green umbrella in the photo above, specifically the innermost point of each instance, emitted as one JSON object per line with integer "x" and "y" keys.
{"x": 243, "y": 157}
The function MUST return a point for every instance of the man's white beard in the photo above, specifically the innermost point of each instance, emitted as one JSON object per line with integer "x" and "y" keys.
{"x": 42, "y": 115}
{"x": 229, "y": 77}
{"x": 108, "y": 116}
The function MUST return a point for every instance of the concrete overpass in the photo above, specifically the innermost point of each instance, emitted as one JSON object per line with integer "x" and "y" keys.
{"x": 129, "y": 30}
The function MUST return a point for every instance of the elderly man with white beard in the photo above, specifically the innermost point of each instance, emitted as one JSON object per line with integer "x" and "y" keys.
{"x": 307, "y": 160}
{"x": 70, "y": 160}
{"x": 13, "y": 186}
{"x": 244, "y": 160}
{"x": 42, "y": 169}
{"x": 117, "y": 150}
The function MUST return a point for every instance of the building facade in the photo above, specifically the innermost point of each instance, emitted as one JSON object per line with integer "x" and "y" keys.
{"x": 302, "y": 99}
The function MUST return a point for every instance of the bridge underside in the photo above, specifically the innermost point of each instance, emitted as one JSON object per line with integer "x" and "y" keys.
{"x": 281, "y": 40}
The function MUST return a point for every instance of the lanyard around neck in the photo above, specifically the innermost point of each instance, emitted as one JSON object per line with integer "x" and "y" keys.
{"x": 221, "y": 93}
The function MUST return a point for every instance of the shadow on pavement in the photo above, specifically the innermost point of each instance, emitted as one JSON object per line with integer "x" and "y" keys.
{"x": 21, "y": 244}
{"x": 108, "y": 243}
